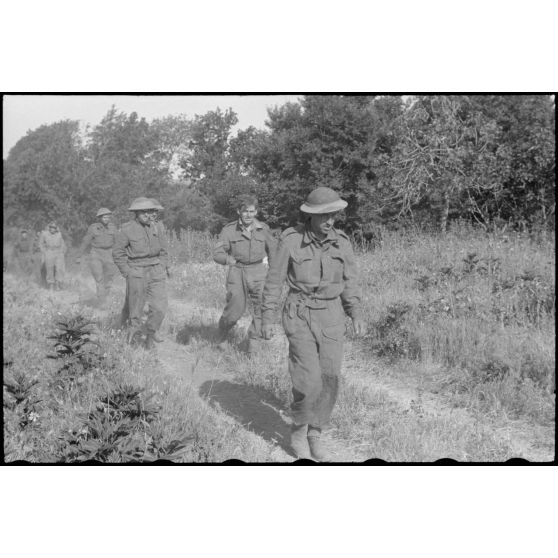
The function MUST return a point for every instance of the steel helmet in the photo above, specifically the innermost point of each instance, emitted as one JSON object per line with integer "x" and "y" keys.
{"x": 157, "y": 204}
{"x": 142, "y": 204}
{"x": 103, "y": 211}
{"x": 323, "y": 200}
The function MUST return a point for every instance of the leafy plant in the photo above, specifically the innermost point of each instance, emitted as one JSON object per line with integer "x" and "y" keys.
{"x": 393, "y": 339}
{"x": 20, "y": 397}
{"x": 119, "y": 430}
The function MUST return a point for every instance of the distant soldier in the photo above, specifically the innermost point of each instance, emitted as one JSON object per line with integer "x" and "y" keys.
{"x": 318, "y": 264}
{"x": 154, "y": 216}
{"x": 243, "y": 244}
{"x": 100, "y": 236}
{"x": 23, "y": 254}
{"x": 140, "y": 253}
{"x": 53, "y": 249}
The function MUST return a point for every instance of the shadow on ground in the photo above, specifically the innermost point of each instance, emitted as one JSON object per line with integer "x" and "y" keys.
{"x": 255, "y": 408}
{"x": 196, "y": 331}
{"x": 209, "y": 333}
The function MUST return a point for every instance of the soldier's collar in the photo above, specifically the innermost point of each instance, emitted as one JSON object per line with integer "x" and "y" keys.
{"x": 255, "y": 225}
{"x": 310, "y": 237}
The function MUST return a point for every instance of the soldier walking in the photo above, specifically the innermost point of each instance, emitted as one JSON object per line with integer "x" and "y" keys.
{"x": 318, "y": 264}
{"x": 140, "y": 253}
{"x": 23, "y": 254}
{"x": 100, "y": 236}
{"x": 154, "y": 216}
{"x": 243, "y": 244}
{"x": 53, "y": 249}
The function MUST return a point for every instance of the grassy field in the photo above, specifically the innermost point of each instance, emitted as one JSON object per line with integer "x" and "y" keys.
{"x": 458, "y": 362}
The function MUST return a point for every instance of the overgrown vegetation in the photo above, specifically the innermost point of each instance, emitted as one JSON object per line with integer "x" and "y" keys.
{"x": 439, "y": 322}
{"x": 424, "y": 160}
{"x": 461, "y": 323}
{"x": 96, "y": 398}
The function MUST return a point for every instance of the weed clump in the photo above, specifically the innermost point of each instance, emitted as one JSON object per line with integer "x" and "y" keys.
{"x": 393, "y": 338}
{"x": 119, "y": 430}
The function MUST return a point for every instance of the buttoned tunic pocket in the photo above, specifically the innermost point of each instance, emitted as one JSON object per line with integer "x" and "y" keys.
{"x": 334, "y": 265}
{"x": 301, "y": 266}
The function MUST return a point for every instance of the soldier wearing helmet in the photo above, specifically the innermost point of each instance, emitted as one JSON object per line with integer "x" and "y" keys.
{"x": 53, "y": 249}
{"x": 317, "y": 262}
{"x": 243, "y": 245}
{"x": 100, "y": 236}
{"x": 140, "y": 253}
{"x": 154, "y": 216}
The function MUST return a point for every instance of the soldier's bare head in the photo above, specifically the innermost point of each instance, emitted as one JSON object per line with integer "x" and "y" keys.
{"x": 247, "y": 209}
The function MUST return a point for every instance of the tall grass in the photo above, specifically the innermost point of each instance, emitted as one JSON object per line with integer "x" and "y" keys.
{"x": 467, "y": 316}
{"x": 480, "y": 305}
{"x": 62, "y": 410}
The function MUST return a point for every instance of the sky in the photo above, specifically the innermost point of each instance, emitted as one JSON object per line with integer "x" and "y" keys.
{"x": 26, "y": 112}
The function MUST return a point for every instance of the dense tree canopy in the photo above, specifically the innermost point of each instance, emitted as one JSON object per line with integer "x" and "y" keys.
{"x": 426, "y": 159}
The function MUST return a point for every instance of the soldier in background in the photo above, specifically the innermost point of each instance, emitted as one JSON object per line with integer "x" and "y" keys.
{"x": 140, "y": 253}
{"x": 53, "y": 250}
{"x": 22, "y": 254}
{"x": 317, "y": 262}
{"x": 100, "y": 236}
{"x": 155, "y": 219}
{"x": 243, "y": 245}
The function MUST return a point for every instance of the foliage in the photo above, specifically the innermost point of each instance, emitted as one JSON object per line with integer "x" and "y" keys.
{"x": 424, "y": 160}
{"x": 393, "y": 339}
{"x": 119, "y": 430}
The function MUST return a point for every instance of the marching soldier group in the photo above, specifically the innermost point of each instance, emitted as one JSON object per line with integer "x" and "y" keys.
{"x": 315, "y": 260}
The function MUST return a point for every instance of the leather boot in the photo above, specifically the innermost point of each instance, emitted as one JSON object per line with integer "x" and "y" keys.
{"x": 149, "y": 341}
{"x": 252, "y": 347}
{"x": 317, "y": 449}
{"x": 157, "y": 338}
{"x": 51, "y": 287}
{"x": 133, "y": 335}
{"x": 299, "y": 441}
{"x": 221, "y": 340}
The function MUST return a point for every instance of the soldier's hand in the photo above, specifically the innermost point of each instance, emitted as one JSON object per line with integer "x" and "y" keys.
{"x": 78, "y": 260}
{"x": 359, "y": 327}
{"x": 267, "y": 331}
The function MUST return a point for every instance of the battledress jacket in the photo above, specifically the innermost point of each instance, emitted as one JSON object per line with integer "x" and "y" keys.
{"x": 98, "y": 236}
{"x": 24, "y": 245}
{"x": 137, "y": 245}
{"x": 317, "y": 270}
{"x": 236, "y": 246}
{"x": 51, "y": 242}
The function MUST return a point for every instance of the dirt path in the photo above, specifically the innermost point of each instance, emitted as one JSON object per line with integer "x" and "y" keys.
{"x": 205, "y": 371}
{"x": 189, "y": 355}
{"x": 528, "y": 441}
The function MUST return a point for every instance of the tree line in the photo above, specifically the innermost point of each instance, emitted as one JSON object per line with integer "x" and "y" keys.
{"x": 421, "y": 159}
